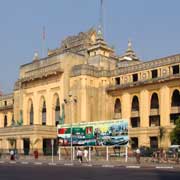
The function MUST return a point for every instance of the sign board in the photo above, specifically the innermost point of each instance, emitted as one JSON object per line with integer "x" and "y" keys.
{"x": 107, "y": 133}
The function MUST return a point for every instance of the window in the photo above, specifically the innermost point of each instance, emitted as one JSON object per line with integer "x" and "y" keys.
{"x": 117, "y": 80}
{"x": 134, "y": 142}
{"x": 154, "y": 142}
{"x": 175, "y": 69}
{"x": 44, "y": 114}
{"x": 31, "y": 115}
{"x": 154, "y": 73}
{"x": 174, "y": 117}
{"x": 5, "y": 103}
{"x": 135, "y": 104}
{"x": 5, "y": 121}
{"x": 135, "y": 77}
{"x": 135, "y": 122}
{"x": 57, "y": 112}
{"x": 175, "y": 98}
{"x": 154, "y": 121}
{"x": 117, "y": 106}
{"x": 154, "y": 101}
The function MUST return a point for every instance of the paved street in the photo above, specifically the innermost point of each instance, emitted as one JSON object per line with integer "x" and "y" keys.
{"x": 44, "y": 172}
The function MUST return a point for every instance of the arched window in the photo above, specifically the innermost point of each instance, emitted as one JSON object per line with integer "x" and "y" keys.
{"x": 5, "y": 121}
{"x": 31, "y": 115}
{"x": 117, "y": 106}
{"x": 57, "y": 112}
{"x": 154, "y": 101}
{"x": 175, "y": 98}
{"x": 44, "y": 113}
{"x": 135, "y": 104}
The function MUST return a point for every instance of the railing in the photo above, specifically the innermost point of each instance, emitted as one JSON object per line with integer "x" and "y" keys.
{"x": 142, "y": 82}
{"x": 175, "y": 109}
{"x": 99, "y": 155}
{"x": 42, "y": 71}
{"x": 6, "y": 107}
{"x": 117, "y": 115}
{"x": 154, "y": 111}
{"x": 134, "y": 113}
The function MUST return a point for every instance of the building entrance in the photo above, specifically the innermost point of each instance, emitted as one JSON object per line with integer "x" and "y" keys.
{"x": 26, "y": 146}
{"x": 47, "y": 147}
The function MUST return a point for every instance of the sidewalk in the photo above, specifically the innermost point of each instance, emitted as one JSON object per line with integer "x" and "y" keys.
{"x": 131, "y": 163}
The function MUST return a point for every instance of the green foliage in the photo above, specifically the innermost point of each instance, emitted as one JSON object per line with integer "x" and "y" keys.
{"x": 175, "y": 134}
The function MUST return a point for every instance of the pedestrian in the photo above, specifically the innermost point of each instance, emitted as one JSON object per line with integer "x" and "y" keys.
{"x": 16, "y": 156}
{"x": 85, "y": 153}
{"x": 177, "y": 156}
{"x": 138, "y": 155}
{"x": 11, "y": 154}
{"x": 79, "y": 155}
{"x": 36, "y": 154}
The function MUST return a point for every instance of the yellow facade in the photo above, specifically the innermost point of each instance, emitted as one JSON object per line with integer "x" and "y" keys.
{"x": 96, "y": 85}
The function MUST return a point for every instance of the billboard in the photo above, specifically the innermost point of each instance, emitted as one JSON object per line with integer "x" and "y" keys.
{"x": 107, "y": 133}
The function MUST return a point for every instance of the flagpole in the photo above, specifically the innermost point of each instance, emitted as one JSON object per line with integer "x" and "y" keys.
{"x": 43, "y": 41}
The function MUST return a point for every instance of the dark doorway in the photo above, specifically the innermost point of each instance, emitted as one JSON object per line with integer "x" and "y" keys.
{"x": 26, "y": 146}
{"x": 47, "y": 148}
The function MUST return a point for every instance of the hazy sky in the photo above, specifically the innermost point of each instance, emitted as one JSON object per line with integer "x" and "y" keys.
{"x": 152, "y": 25}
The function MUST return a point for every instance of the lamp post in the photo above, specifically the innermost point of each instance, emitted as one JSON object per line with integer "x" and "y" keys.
{"x": 70, "y": 101}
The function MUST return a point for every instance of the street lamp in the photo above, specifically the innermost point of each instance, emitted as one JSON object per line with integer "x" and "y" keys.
{"x": 70, "y": 101}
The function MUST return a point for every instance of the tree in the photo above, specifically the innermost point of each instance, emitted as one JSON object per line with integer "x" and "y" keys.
{"x": 175, "y": 134}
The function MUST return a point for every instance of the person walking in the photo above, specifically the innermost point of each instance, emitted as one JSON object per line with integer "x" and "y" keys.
{"x": 138, "y": 154}
{"x": 79, "y": 155}
{"x": 85, "y": 153}
{"x": 11, "y": 154}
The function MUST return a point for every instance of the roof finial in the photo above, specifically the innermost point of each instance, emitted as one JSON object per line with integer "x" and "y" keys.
{"x": 99, "y": 33}
{"x": 129, "y": 45}
{"x": 36, "y": 56}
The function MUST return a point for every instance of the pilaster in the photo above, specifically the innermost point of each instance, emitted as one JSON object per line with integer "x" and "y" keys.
{"x": 164, "y": 106}
{"x": 144, "y": 108}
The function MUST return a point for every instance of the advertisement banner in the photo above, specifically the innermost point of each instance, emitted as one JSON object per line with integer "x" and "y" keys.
{"x": 103, "y": 133}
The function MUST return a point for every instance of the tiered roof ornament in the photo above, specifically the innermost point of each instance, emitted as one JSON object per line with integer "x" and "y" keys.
{"x": 129, "y": 55}
{"x": 100, "y": 47}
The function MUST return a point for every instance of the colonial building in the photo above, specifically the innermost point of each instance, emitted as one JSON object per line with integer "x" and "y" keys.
{"x": 87, "y": 80}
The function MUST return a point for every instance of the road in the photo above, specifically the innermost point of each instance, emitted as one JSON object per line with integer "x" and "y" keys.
{"x": 44, "y": 172}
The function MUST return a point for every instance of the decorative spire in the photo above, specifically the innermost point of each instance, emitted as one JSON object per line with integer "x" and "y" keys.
{"x": 99, "y": 32}
{"x": 130, "y": 54}
{"x": 36, "y": 56}
{"x": 129, "y": 45}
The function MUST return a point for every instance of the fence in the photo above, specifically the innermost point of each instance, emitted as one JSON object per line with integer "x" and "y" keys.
{"x": 95, "y": 153}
